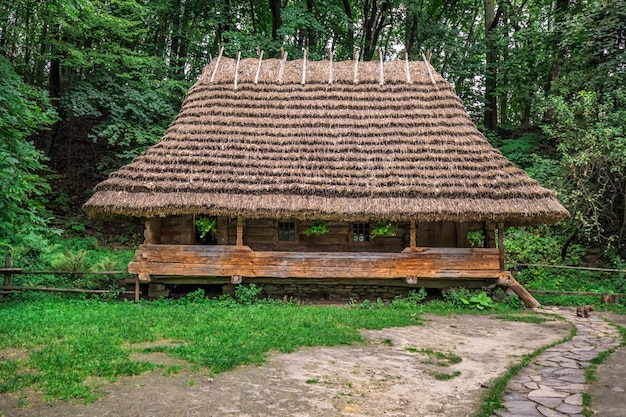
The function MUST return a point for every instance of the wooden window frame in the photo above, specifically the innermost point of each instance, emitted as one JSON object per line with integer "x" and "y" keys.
{"x": 361, "y": 242}
{"x": 295, "y": 230}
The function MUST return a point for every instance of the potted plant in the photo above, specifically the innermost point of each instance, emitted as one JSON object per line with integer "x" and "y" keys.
{"x": 383, "y": 228}
{"x": 205, "y": 230}
{"x": 318, "y": 229}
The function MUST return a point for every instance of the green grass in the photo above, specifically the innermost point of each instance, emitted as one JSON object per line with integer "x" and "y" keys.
{"x": 73, "y": 344}
{"x": 436, "y": 357}
{"x": 442, "y": 376}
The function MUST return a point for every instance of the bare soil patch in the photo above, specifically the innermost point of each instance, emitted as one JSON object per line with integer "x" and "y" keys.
{"x": 393, "y": 374}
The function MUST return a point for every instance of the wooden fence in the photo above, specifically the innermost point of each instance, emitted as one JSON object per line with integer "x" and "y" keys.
{"x": 9, "y": 271}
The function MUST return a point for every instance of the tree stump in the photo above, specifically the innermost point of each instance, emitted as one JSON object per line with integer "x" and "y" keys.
{"x": 609, "y": 298}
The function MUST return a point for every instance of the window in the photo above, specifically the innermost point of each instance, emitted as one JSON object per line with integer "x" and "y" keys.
{"x": 361, "y": 232}
{"x": 286, "y": 231}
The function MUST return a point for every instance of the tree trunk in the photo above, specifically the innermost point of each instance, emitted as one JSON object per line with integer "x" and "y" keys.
{"x": 350, "y": 33}
{"x": 374, "y": 21}
{"x": 491, "y": 105}
{"x": 277, "y": 22}
{"x": 54, "y": 88}
{"x": 310, "y": 31}
{"x": 562, "y": 7}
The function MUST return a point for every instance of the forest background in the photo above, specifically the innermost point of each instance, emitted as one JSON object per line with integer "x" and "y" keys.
{"x": 86, "y": 85}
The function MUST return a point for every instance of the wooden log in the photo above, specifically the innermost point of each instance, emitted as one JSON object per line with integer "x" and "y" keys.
{"x": 12, "y": 288}
{"x": 233, "y": 260}
{"x": 413, "y": 240}
{"x": 609, "y": 298}
{"x": 8, "y": 264}
{"x": 137, "y": 289}
{"x": 507, "y": 280}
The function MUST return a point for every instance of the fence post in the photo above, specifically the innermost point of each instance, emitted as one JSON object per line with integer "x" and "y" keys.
{"x": 8, "y": 263}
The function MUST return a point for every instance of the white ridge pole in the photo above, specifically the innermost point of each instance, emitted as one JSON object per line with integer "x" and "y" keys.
{"x": 305, "y": 53}
{"x": 258, "y": 68}
{"x": 382, "y": 72}
{"x": 330, "y": 65}
{"x": 356, "y": 65}
{"x": 406, "y": 66}
{"x": 216, "y": 64}
{"x": 432, "y": 78}
{"x": 282, "y": 65}
{"x": 237, "y": 68}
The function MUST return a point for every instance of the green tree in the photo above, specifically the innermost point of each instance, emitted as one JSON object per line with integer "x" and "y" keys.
{"x": 23, "y": 111}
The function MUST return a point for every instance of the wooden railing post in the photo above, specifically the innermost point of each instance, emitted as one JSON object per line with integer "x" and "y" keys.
{"x": 501, "y": 244}
{"x": 239, "y": 230}
{"x": 413, "y": 240}
{"x": 8, "y": 263}
{"x": 137, "y": 289}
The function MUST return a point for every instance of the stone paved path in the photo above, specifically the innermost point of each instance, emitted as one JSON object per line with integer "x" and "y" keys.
{"x": 552, "y": 385}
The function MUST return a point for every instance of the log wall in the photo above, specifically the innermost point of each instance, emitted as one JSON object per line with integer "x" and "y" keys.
{"x": 261, "y": 235}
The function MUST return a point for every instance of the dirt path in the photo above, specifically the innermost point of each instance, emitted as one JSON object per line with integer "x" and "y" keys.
{"x": 396, "y": 373}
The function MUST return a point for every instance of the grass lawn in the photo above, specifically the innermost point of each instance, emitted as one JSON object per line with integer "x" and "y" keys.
{"x": 64, "y": 346}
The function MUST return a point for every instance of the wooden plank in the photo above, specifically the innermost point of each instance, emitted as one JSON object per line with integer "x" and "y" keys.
{"x": 229, "y": 260}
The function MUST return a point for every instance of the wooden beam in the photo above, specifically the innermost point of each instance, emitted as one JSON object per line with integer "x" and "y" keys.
{"x": 137, "y": 289}
{"x": 413, "y": 240}
{"x": 501, "y": 244}
{"x": 507, "y": 280}
{"x": 219, "y": 260}
{"x": 240, "y": 221}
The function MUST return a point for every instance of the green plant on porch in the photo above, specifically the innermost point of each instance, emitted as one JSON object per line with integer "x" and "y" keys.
{"x": 317, "y": 228}
{"x": 206, "y": 225}
{"x": 383, "y": 228}
{"x": 476, "y": 238}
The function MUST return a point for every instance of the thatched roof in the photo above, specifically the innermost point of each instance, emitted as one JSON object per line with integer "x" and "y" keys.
{"x": 315, "y": 140}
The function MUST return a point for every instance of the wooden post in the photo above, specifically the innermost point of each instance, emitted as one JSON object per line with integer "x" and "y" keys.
{"x": 8, "y": 263}
{"x": 137, "y": 288}
{"x": 490, "y": 234}
{"x": 239, "y": 230}
{"x": 501, "y": 244}
{"x": 413, "y": 240}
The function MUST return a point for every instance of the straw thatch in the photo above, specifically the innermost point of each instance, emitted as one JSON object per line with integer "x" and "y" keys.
{"x": 353, "y": 142}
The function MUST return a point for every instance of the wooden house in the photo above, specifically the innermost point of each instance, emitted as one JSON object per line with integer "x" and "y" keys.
{"x": 381, "y": 156}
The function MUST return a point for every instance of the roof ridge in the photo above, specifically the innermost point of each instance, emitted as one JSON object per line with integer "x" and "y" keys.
{"x": 303, "y": 71}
